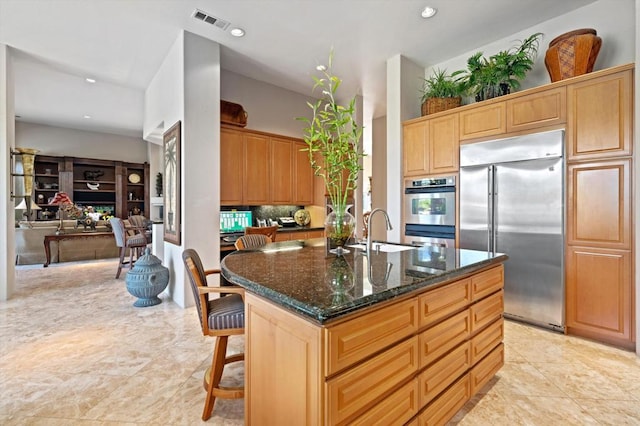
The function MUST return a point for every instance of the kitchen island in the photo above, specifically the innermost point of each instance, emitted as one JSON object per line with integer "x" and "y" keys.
{"x": 405, "y": 335}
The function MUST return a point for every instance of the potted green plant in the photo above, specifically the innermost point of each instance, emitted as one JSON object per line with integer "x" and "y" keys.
{"x": 333, "y": 138}
{"x": 497, "y": 75}
{"x": 441, "y": 92}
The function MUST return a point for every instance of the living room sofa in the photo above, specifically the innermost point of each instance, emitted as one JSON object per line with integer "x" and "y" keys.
{"x": 30, "y": 243}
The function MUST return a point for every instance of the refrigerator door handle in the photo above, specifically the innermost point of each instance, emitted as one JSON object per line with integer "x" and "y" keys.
{"x": 491, "y": 209}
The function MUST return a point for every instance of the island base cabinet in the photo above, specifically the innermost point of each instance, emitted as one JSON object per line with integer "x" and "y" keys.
{"x": 282, "y": 351}
{"x": 376, "y": 366}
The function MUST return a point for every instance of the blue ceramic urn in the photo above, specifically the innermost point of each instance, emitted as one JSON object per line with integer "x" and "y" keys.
{"x": 147, "y": 279}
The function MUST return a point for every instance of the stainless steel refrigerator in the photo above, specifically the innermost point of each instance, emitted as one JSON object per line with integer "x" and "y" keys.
{"x": 511, "y": 201}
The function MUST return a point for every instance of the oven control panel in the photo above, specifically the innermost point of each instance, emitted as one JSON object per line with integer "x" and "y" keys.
{"x": 432, "y": 182}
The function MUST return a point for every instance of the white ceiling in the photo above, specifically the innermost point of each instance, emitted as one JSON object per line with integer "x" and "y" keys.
{"x": 122, "y": 43}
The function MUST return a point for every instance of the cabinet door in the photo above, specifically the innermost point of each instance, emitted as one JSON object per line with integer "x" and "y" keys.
{"x": 537, "y": 110}
{"x": 303, "y": 190}
{"x": 415, "y": 149}
{"x": 444, "y": 144}
{"x": 231, "y": 167}
{"x": 256, "y": 169}
{"x": 599, "y": 295}
{"x": 483, "y": 121}
{"x": 281, "y": 171}
{"x": 599, "y": 209}
{"x": 599, "y": 121}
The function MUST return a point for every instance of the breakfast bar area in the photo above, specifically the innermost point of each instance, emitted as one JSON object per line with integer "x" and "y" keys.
{"x": 399, "y": 335}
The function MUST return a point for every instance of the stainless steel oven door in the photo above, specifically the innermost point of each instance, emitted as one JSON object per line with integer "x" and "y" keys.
{"x": 430, "y": 241}
{"x": 430, "y": 208}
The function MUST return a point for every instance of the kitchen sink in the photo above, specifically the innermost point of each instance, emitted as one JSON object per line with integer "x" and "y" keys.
{"x": 383, "y": 247}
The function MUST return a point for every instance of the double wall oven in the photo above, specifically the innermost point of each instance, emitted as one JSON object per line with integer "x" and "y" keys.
{"x": 430, "y": 211}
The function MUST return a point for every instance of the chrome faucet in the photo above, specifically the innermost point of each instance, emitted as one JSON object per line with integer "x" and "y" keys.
{"x": 389, "y": 227}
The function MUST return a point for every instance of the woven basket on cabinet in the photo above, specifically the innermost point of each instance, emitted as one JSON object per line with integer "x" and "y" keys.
{"x": 433, "y": 105}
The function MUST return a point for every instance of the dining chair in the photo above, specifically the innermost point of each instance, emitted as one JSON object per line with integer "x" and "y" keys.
{"x": 251, "y": 241}
{"x": 136, "y": 243}
{"x": 269, "y": 231}
{"x": 220, "y": 317}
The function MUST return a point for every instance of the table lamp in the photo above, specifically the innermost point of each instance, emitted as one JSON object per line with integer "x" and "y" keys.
{"x": 60, "y": 199}
{"x": 28, "y": 208}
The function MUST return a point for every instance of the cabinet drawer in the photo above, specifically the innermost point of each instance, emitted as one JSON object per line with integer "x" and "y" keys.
{"x": 484, "y": 121}
{"x": 447, "y": 405}
{"x": 485, "y": 341}
{"x": 396, "y": 409}
{"x": 541, "y": 109}
{"x": 487, "y": 282}
{"x": 486, "y": 369}
{"x": 442, "y": 302}
{"x": 353, "y": 391}
{"x": 486, "y": 310}
{"x": 354, "y": 340}
{"x": 445, "y": 371}
{"x": 441, "y": 338}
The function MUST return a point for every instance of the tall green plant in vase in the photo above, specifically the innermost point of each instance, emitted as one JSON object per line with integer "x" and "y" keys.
{"x": 333, "y": 137}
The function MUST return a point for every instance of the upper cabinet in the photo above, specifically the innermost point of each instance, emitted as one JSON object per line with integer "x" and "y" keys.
{"x": 599, "y": 122}
{"x": 258, "y": 168}
{"x": 431, "y": 146}
{"x": 545, "y": 108}
{"x": 488, "y": 120}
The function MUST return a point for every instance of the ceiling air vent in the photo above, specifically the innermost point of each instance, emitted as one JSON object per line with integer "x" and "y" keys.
{"x": 216, "y": 22}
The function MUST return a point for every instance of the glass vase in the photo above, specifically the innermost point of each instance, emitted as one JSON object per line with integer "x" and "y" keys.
{"x": 339, "y": 226}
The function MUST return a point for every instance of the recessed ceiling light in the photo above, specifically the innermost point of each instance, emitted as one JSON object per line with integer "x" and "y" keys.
{"x": 429, "y": 12}
{"x": 90, "y": 80}
{"x": 237, "y": 32}
{"x": 87, "y": 116}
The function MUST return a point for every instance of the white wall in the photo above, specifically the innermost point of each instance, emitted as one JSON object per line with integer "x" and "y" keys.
{"x": 187, "y": 88}
{"x": 615, "y": 25}
{"x": 404, "y": 80}
{"x": 62, "y": 141}
{"x": 379, "y": 175}
{"x": 270, "y": 108}
{"x": 7, "y": 132}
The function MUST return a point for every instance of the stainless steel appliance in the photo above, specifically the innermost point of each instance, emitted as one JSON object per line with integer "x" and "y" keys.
{"x": 511, "y": 201}
{"x": 430, "y": 211}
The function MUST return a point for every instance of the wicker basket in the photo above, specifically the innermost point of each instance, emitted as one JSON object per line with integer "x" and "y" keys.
{"x": 433, "y": 105}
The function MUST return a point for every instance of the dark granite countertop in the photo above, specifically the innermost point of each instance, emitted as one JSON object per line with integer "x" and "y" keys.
{"x": 301, "y": 276}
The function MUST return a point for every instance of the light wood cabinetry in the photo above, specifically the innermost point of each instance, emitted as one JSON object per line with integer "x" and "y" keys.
{"x": 599, "y": 294}
{"x": 599, "y": 208}
{"x": 409, "y": 361}
{"x": 489, "y": 120}
{"x": 299, "y": 235}
{"x": 431, "y": 146}
{"x": 599, "y": 123}
{"x": 303, "y": 177}
{"x": 545, "y": 108}
{"x": 597, "y": 111}
{"x": 231, "y": 167}
{"x": 258, "y": 168}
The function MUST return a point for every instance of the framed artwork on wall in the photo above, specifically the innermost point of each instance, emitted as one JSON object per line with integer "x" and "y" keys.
{"x": 171, "y": 149}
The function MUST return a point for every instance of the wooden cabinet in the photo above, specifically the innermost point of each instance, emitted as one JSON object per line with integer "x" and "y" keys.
{"x": 415, "y": 149}
{"x": 282, "y": 172}
{"x": 599, "y": 204}
{"x": 303, "y": 177}
{"x": 231, "y": 167}
{"x": 380, "y": 366}
{"x": 599, "y": 295}
{"x": 600, "y": 122}
{"x": 258, "y": 168}
{"x": 430, "y": 146}
{"x": 47, "y": 182}
{"x": 488, "y": 120}
{"x": 541, "y": 109}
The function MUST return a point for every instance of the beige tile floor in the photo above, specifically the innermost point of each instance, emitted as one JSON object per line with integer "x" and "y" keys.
{"x": 75, "y": 352}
